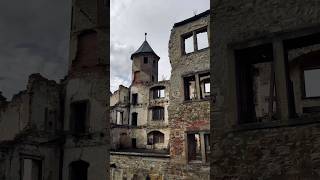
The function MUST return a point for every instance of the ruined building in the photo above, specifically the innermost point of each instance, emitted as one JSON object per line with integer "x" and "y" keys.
{"x": 265, "y": 66}
{"x": 160, "y": 129}
{"x": 53, "y": 130}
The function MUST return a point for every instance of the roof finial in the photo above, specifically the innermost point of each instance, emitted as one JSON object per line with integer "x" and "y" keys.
{"x": 145, "y": 36}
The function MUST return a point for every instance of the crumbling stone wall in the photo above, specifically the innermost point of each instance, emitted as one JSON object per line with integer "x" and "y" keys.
{"x": 185, "y": 115}
{"x": 286, "y": 149}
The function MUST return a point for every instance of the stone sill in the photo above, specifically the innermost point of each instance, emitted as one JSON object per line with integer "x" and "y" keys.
{"x": 300, "y": 121}
{"x": 196, "y": 100}
{"x": 140, "y": 154}
{"x": 195, "y": 52}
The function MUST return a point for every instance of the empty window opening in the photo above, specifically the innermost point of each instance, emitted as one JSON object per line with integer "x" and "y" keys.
{"x": 155, "y": 137}
{"x": 312, "y": 82}
{"x": 79, "y": 116}
{"x": 145, "y": 60}
{"x": 158, "y": 92}
{"x": 202, "y": 39}
{"x": 194, "y": 147}
{"x": 154, "y": 63}
{"x": 207, "y": 146}
{"x": 190, "y": 88}
{"x": 303, "y": 55}
{"x": 79, "y": 170}
{"x": 136, "y": 76}
{"x": 134, "y": 119}
{"x": 256, "y": 84}
{"x": 157, "y": 113}
{"x": 123, "y": 141}
{"x": 119, "y": 117}
{"x": 204, "y": 80}
{"x": 152, "y": 77}
{"x": 188, "y": 44}
{"x": 134, "y": 99}
{"x": 32, "y": 169}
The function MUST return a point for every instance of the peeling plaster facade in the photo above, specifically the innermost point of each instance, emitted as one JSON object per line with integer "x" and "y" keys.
{"x": 140, "y": 159}
{"x": 43, "y": 134}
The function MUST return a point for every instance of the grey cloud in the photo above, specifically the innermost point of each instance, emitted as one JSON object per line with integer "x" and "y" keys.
{"x": 34, "y": 38}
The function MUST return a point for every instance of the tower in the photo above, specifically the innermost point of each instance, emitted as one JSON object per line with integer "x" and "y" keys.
{"x": 144, "y": 64}
{"x": 85, "y": 88}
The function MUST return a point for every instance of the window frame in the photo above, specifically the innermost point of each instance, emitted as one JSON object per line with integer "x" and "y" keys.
{"x": 33, "y": 158}
{"x": 72, "y": 125}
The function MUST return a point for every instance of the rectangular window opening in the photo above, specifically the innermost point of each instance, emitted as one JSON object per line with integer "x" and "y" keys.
{"x": 190, "y": 88}
{"x": 312, "y": 82}
{"x": 134, "y": 99}
{"x": 256, "y": 84}
{"x": 158, "y": 113}
{"x": 134, "y": 119}
{"x": 188, "y": 44}
{"x": 202, "y": 39}
{"x": 145, "y": 60}
{"x": 204, "y": 80}
{"x": 32, "y": 169}
{"x": 194, "y": 147}
{"x": 79, "y": 116}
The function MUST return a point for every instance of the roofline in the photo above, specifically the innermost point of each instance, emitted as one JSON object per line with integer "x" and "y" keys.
{"x": 135, "y": 54}
{"x": 194, "y": 18}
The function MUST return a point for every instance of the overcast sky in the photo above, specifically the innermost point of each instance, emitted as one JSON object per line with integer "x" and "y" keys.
{"x": 34, "y": 37}
{"x": 130, "y": 19}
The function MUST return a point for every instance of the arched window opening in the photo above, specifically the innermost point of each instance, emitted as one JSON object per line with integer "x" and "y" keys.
{"x": 155, "y": 137}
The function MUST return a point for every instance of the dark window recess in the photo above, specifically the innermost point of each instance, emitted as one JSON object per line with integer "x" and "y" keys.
{"x": 152, "y": 77}
{"x": 79, "y": 170}
{"x": 155, "y": 137}
{"x": 145, "y": 60}
{"x": 207, "y": 146}
{"x": 134, "y": 142}
{"x": 123, "y": 141}
{"x": 154, "y": 63}
{"x": 189, "y": 88}
{"x": 119, "y": 117}
{"x": 256, "y": 84}
{"x": 158, "y": 113}
{"x": 79, "y": 115}
{"x": 194, "y": 147}
{"x": 158, "y": 92}
{"x": 32, "y": 169}
{"x": 134, "y": 119}
{"x": 204, "y": 80}
{"x": 134, "y": 99}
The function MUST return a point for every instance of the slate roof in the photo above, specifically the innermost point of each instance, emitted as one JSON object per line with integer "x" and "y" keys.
{"x": 144, "y": 48}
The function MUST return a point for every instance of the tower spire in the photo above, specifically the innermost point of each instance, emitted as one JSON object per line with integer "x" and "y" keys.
{"x": 145, "y": 36}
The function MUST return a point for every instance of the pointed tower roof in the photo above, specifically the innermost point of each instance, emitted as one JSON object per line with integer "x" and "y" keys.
{"x": 144, "y": 48}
